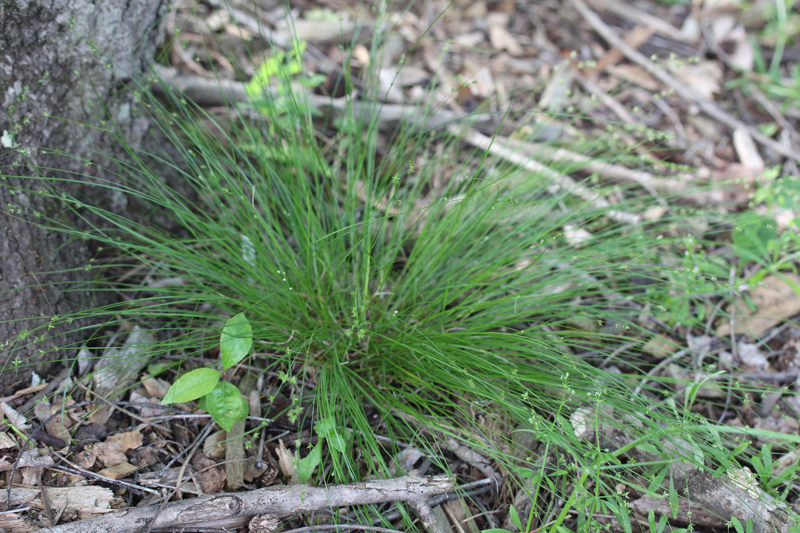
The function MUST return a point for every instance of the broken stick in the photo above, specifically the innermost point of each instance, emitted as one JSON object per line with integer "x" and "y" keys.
{"x": 236, "y": 508}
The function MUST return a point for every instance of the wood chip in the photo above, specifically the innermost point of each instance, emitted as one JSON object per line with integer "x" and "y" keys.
{"x": 746, "y": 149}
{"x": 88, "y": 500}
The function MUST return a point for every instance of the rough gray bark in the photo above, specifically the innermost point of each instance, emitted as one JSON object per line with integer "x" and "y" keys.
{"x": 68, "y": 59}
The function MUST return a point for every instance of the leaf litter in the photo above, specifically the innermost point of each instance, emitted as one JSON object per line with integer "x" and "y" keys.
{"x": 120, "y": 444}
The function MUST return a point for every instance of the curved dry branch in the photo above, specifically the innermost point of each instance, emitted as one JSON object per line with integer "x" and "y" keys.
{"x": 236, "y": 508}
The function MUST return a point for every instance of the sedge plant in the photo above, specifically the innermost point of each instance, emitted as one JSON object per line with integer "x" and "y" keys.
{"x": 400, "y": 289}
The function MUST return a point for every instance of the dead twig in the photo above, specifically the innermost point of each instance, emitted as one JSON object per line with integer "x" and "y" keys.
{"x": 560, "y": 181}
{"x": 75, "y": 469}
{"x": 217, "y": 92}
{"x": 354, "y": 527}
{"x": 619, "y": 173}
{"x": 233, "y": 509}
{"x": 471, "y": 457}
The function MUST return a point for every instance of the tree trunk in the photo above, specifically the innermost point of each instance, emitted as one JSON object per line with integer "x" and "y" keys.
{"x": 64, "y": 65}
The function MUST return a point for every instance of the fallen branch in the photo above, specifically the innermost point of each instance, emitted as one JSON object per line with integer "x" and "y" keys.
{"x": 619, "y": 173}
{"x": 236, "y": 508}
{"x": 560, "y": 181}
{"x": 216, "y": 92}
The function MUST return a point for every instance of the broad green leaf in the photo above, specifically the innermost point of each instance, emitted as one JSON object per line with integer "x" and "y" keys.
{"x": 512, "y": 513}
{"x": 235, "y": 341}
{"x": 307, "y": 465}
{"x": 754, "y": 236}
{"x": 526, "y": 472}
{"x": 326, "y": 428}
{"x": 225, "y": 405}
{"x": 662, "y": 522}
{"x": 337, "y": 442}
{"x": 192, "y": 386}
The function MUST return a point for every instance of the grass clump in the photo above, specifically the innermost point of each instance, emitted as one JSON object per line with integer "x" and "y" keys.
{"x": 402, "y": 285}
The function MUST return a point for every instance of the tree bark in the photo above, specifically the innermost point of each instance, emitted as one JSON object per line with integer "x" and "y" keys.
{"x": 64, "y": 66}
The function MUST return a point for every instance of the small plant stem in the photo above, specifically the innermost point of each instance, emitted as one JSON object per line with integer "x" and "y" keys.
{"x": 567, "y": 506}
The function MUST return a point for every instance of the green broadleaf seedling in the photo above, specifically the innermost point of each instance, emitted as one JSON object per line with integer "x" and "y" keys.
{"x": 192, "y": 385}
{"x": 222, "y": 400}
{"x": 306, "y": 465}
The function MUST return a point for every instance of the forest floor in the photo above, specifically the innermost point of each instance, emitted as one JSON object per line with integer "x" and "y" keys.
{"x": 721, "y": 80}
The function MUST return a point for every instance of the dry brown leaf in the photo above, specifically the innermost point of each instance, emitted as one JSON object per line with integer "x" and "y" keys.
{"x": 212, "y": 447}
{"x": 118, "y": 367}
{"x": 683, "y": 377}
{"x": 27, "y": 459}
{"x": 634, "y": 74}
{"x": 554, "y": 97}
{"x": 287, "y": 463}
{"x": 750, "y": 357}
{"x": 211, "y": 481}
{"x": 774, "y": 301}
{"x": 469, "y": 39}
{"x": 118, "y": 471}
{"x": 361, "y": 54}
{"x": 147, "y": 412}
{"x": 704, "y": 77}
{"x": 16, "y": 419}
{"x": 109, "y": 453}
{"x": 784, "y": 425}
{"x": 130, "y": 440}
{"x": 264, "y": 523}
{"x": 660, "y": 346}
{"x": 746, "y": 149}
{"x": 499, "y": 36}
{"x": 654, "y": 213}
{"x": 315, "y": 31}
{"x": 239, "y": 31}
{"x": 634, "y": 38}
{"x": 156, "y": 387}
{"x": 7, "y": 441}
{"x": 57, "y": 427}
{"x": 86, "y": 458}
{"x": 743, "y": 55}
{"x": 168, "y": 479}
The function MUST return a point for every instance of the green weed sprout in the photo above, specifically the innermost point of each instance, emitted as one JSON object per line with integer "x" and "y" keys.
{"x": 221, "y": 399}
